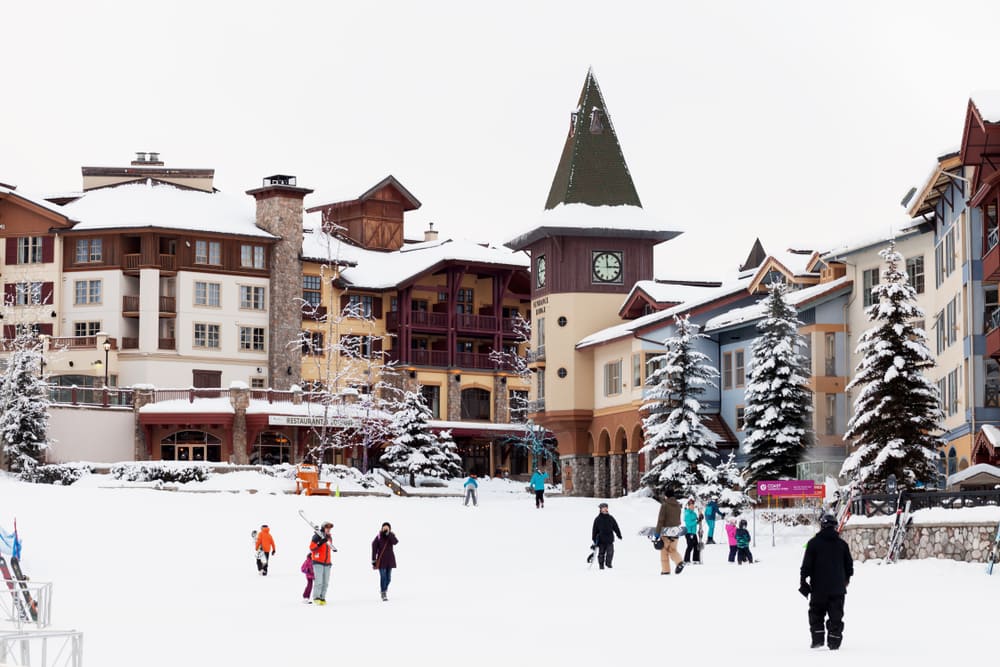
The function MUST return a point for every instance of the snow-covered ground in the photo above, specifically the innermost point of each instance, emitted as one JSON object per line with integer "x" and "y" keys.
{"x": 159, "y": 578}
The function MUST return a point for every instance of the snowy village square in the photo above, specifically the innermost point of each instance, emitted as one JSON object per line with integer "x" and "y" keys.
{"x": 444, "y": 334}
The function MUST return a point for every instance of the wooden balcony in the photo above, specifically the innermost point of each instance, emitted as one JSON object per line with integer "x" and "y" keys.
{"x": 130, "y": 343}
{"x": 168, "y": 306}
{"x": 133, "y": 262}
{"x": 167, "y": 344}
{"x": 130, "y": 306}
{"x": 482, "y": 324}
{"x": 78, "y": 343}
{"x": 991, "y": 258}
{"x": 438, "y": 358}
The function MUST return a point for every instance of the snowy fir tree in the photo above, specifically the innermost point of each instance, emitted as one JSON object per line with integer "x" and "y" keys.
{"x": 415, "y": 450}
{"x": 778, "y": 402}
{"x": 24, "y": 405}
{"x": 448, "y": 458}
{"x": 685, "y": 450}
{"x": 728, "y": 486}
{"x": 897, "y": 410}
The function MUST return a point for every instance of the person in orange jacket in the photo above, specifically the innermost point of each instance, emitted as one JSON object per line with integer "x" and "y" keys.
{"x": 320, "y": 547}
{"x": 265, "y": 549}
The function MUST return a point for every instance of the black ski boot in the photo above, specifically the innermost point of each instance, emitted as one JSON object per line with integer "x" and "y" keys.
{"x": 818, "y": 639}
{"x": 833, "y": 641}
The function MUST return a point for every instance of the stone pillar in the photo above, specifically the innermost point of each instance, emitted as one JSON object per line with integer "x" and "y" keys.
{"x": 141, "y": 395}
{"x": 240, "y": 400}
{"x": 578, "y": 475}
{"x": 279, "y": 211}
{"x": 615, "y": 462}
{"x": 501, "y": 402}
{"x": 454, "y": 391}
{"x": 632, "y": 471}
{"x": 601, "y": 476}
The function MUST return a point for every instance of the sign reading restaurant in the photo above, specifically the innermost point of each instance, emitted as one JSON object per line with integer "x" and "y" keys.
{"x": 336, "y": 421}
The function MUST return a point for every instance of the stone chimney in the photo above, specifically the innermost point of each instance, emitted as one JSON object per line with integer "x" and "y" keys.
{"x": 279, "y": 211}
{"x": 430, "y": 234}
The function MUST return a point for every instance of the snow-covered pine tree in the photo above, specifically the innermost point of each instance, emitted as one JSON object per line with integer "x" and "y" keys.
{"x": 415, "y": 450}
{"x": 24, "y": 405}
{"x": 777, "y": 402}
{"x": 898, "y": 410}
{"x": 685, "y": 449}
{"x": 449, "y": 459}
{"x": 732, "y": 487}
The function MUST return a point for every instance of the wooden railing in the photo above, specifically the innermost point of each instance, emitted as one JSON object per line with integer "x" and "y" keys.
{"x": 130, "y": 303}
{"x": 133, "y": 262}
{"x": 166, "y": 344}
{"x": 130, "y": 343}
{"x": 168, "y": 304}
{"x": 78, "y": 343}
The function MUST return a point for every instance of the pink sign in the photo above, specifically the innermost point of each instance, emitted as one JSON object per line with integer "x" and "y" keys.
{"x": 786, "y": 487}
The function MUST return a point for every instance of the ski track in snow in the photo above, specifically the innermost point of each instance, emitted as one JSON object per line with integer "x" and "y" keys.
{"x": 159, "y": 578}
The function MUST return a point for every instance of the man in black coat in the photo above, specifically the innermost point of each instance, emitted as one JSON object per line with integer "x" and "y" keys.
{"x": 828, "y": 567}
{"x": 603, "y": 534}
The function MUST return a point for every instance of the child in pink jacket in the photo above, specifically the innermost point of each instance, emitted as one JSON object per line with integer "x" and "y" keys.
{"x": 731, "y": 534}
{"x": 307, "y": 569}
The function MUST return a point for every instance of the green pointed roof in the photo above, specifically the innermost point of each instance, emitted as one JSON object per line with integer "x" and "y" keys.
{"x": 592, "y": 168}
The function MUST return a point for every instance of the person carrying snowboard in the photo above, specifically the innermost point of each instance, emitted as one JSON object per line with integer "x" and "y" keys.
{"x": 667, "y": 521}
{"x": 383, "y": 557}
{"x": 265, "y": 549}
{"x": 320, "y": 549}
{"x": 712, "y": 512}
{"x": 538, "y": 484}
{"x": 743, "y": 544}
{"x": 471, "y": 486}
{"x": 603, "y": 533}
{"x": 691, "y": 520}
{"x": 827, "y": 568}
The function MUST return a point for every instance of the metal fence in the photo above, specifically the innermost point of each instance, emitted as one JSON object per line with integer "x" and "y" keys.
{"x": 885, "y": 503}
{"x": 41, "y": 648}
{"x": 14, "y": 605}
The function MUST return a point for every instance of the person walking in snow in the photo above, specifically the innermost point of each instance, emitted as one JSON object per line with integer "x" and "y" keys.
{"x": 712, "y": 512}
{"x": 731, "y": 535}
{"x": 265, "y": 549}
{"x": 691, "y": 519}
{"x": 538, "y": 484}
{"x": 668, "y": 521}
{"x": 603, "y": 533}
{"x": 827, "y": 568}
{"x": 383, "y": 557}
{"x": 471, "y": 487}
{"x": 743, "y": 554}
{"x": 320, "y": 549}
{"x": 307, "y": 569}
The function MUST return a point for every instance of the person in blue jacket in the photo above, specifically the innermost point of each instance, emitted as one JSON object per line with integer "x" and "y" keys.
{"x": 712, "y": 512}
{"x": 691, "y": 519}
{"x": 470, "y": 491}
{"x": 538, "y": 484}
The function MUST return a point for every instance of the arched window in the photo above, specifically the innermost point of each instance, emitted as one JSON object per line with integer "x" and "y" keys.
{"x": 952, "y": 461}
{"x": 191, "y": 446}
{"x": 476, "y": 404}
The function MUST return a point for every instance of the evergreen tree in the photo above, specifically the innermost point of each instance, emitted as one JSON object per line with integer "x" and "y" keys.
{"x": 415, "y": 450}
{"x": 897, "y": 410}
{"x": 449, "y": 459}
{"x": 685, "y": 449}
{"x": 778, "y": 404}
{"x": 24, "y": 405}
{"x": 729, "y": 486}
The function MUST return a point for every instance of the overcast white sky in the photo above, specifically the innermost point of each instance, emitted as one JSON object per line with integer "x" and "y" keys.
{"x": 803, "y": 123}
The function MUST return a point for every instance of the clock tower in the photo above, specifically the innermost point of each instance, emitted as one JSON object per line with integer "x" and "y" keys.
{"x": 588, "y": 248}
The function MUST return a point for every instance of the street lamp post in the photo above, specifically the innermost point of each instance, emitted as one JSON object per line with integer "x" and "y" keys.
{"x": 107, "y": 350}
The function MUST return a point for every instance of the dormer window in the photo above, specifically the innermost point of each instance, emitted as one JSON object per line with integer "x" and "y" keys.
{"x": 596, "y": 125}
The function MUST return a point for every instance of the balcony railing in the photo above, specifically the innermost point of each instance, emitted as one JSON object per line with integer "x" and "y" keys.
{"x": 993, "y": 319}
{"x": 991, "y": 256}
{"x": 538, "y": 405}
{"x": 466, "y": 322}
{"x": 168, "y": 304}
{"x": 429, "y": 358}
{"x": 536, "y": 354}
{"x": 78, "y": 343}
{"x": 166, "y": 344}
{"x": 992, "y": 238}
{"x": 130, "y": 343}
{"x": 90, "y": 396}
{"x": 130, "y": 303}
{"x": 133, "y": 262}
{"x": 474, "y": 360}
{"x": 422, "y": 318}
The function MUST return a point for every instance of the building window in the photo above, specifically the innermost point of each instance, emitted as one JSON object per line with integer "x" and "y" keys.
{"x": 953, "y": 393}
{"x": 251, "y": 298}
{"x": 741, "y": 421}
{"x": 358, "y": 347}
{"x": 466, "y": 346}
{"x": 86, "y": 292}
{"x": 208, "y": 252}
{"x": 636, "y": 370}
{"x": 252, "y": 256}
{"x": 432, "y": 397}
{"x": 870, "y": 277}
{"x": 207, "y": 294}
{"x": 27, "y": 294}
{"x": 206, "y": 336}
{"x": 949, "y": 250}
{"x": 951, "y": 320}
{"x": 830, "y": 353}
{"x": 360, "y": 305}
{"x": 939, "y": 331}
{"x": 739, "y": 368}
{"x": 89, "y": 250}
{"x": 942, "y": 386}
{"x": 990, "y": 303}
{"x": 541, "y": 383}
{"x": 541, "y": 331}
{"x": 915, "y": 270}
{"x": 831, "y": 414}
{"x": 86, "y": 329}
{"x": 257, "y": 383}
{"x": 252, "y": 338}
{"x": 312, "y": 343}
{"x": 476, "y": 404}
{"x": 464, "y": 304}
{"x": 727, "y": 370}
{"x": 393, "y": 304}
{"x": 613, "y": 378}
{"x": 29, "y": 250}
{"x": 654, "y": 361}
{"x": 312, "y": 290}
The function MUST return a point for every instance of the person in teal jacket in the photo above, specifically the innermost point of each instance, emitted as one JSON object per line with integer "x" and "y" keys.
{"x": 538, "y": 484}
{"x": 691, "y": 519}
{"x": 712, "y": 512}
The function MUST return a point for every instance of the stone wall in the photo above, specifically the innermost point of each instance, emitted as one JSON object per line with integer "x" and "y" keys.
{"x": 578, "y": 475}
{"x": 969, "y": 542}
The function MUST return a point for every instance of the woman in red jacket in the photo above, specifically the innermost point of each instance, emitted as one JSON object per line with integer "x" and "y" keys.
{"x": 320, "y": 548}
{"x": 383, "y": 558}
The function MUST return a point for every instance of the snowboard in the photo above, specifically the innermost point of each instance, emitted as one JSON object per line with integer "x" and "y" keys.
{"x": 898, "y": 532}
{"x": 20, "y": 607}
{"x": 259, "y": 552}
{"x": 22, "y": 581}
{"x": 994, "y": 556}
{"x": 592, "y": 555}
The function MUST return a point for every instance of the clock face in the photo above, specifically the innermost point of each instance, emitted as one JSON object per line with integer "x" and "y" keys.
{"x": 607, "y": 266}
{"x": 540, "y": 271}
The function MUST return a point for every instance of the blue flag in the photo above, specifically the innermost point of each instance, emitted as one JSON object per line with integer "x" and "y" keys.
{"x": 10, "y": 545}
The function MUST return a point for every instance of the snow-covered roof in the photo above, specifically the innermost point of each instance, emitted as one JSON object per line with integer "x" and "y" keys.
{"x": 135, "y": 205}
{"x": 221, "y": 405}
{"x": 586, "y": 220}
{"x": 360, "y": 409}
{"x": 661, "y": 292}
{"x": 988, "y": 104}
{"x": 900, "y": 230}
{"x": 972, "y": 471}
{"x": 37, "y": 201}
{"x": 796, "y": 262}
{"x": 992, "y": 434}
{"x": 759, "y": 309}
{"x": 728, "y": 287}
{"x": 373, "y": 269}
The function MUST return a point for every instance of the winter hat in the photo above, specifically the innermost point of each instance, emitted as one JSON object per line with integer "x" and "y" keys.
{"x": 327, "y": 524}
{"x": 731, "y": 519}
{"x": 602, "y": 505}
{"x": 828, "y": 521}
{"x": 743, "y": 523}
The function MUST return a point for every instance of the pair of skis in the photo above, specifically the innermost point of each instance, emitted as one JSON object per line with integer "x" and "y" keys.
{"x": 898, "y": 532}
{"x": 316, "y": 528}
{"x": 25, "y": 607}
{"x": 994, "y": 556}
